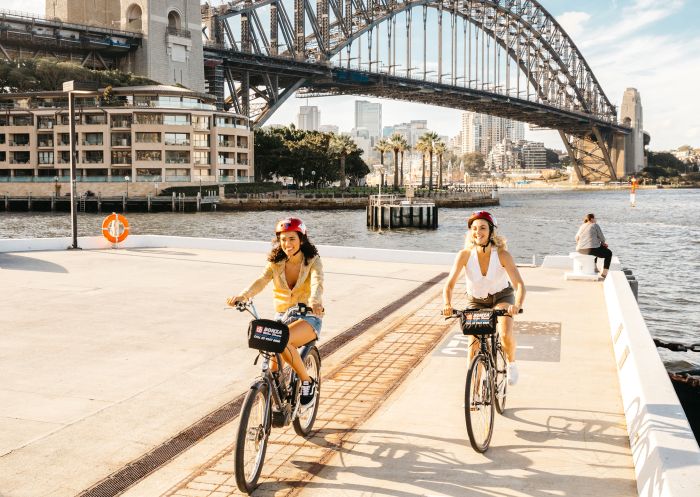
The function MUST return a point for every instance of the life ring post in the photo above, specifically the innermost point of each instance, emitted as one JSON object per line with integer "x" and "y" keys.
{"x": 115, "y": 228}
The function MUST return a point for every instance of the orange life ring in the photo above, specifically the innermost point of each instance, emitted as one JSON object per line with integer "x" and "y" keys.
{"x": 115, "y": 228}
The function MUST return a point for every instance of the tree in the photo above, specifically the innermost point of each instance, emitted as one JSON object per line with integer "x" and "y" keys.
{"x": 403, "y": 147}
{"x": 665, "y": 160}
{"x": 342, "y": 146}
{"x": 473, "y": 163}
{"x": 382, "y": 146}
{"x": 440, "y": 149}
{"x": 428, "y": 141}
{"x": 422, "y": 146}
{"x": 398, "y": 143}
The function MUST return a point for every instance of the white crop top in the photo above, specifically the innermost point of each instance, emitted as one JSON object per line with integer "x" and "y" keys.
{"x": 480, "y": 286}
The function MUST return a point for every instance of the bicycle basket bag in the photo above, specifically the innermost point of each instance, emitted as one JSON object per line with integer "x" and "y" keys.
{"x": 267, "y": 335}
{"x": 478, "y": 322}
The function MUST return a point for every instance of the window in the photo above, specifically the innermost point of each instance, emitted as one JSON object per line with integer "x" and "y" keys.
{"x": 93, "y": 157}
{"x": 201, "y": 157}
{"x": 121, "y": 157}
{"x": 19, "y": 157}
{"x": 145, "y": 100}
{"x": 148, "y": 155}
{"x": 226, "y": 141}
{"x": 148, "y": 118}
{"x": 19, "y": 140}
{"x": 45, "y": 140}
{"x": 2, "y": 138}
{"x": 201, "y": 140}
{"x": 45, "y": 157}
{"x": 121, "y": 121}
{"x": 45, "y": 122}
{"x": 63, "y": 139}
{"x": 147, "y": 137}
{"x": 121, "y": 139}
{"x": 177, "y": 139}
{"x": 92, "y": 119}
{"x": 225, "y": 122}
{"x": 23, "y": 120}
{"x": 176, "y": 119}
{"x": 92, "y": 139}
{"x": 200, "y": 122}
{"x": 177, "y": 157}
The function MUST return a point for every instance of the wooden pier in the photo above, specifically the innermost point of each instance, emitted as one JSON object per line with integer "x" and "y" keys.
{"x": 392, "y": 211}
{"x": 121, "y": 203}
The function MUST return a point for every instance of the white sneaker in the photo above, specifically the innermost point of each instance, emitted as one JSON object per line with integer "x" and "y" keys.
{"x": 512, "y": 373}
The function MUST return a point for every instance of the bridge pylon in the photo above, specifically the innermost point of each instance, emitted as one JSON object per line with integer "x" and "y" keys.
{"x": 596, "y": 156}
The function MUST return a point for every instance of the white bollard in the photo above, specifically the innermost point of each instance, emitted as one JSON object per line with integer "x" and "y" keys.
{"x": 584, "y": 267}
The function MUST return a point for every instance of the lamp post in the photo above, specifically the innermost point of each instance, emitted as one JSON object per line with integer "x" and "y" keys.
{"x": 313, "y": 178}
{"x": 302, "y": 177}
{"x": 73, "y": 87}
{"x": 55, "y": 185}
{"x": 127, "y": 179}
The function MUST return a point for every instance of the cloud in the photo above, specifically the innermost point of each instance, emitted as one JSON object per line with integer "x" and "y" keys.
{"x": 574, "y": 22}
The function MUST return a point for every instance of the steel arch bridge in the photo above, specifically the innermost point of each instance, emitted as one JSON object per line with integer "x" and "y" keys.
{"x": 508, "y": 58}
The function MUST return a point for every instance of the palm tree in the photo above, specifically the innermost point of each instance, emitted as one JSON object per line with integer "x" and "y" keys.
{"x": 382, "y": 146}
{"x": 404, "y": 147}
{"x": 428, "y": 141}
{"x": 395, "y": 144}
{"x": 398, "y": 144}
{"x": 342, "y": 146}
{"x": 422, "y": 146}
{"x": 440, "y": 149}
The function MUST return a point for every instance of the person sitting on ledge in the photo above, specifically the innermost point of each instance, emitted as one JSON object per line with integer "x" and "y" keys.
{"x": 590, "y": 241}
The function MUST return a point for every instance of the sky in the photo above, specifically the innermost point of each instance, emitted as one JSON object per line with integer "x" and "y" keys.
{"x": 649, "y": 45}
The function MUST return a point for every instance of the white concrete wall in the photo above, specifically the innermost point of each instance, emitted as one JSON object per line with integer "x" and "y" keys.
{"x": 665, "y": 452}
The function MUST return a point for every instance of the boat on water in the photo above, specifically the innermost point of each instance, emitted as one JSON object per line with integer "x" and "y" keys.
{"x": 687, "y": 387}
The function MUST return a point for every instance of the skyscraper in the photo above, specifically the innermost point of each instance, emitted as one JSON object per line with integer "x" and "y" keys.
{"x": 481, "y": 132}
{"x": 309, "y": 118}
{"x": 368, "y": 115}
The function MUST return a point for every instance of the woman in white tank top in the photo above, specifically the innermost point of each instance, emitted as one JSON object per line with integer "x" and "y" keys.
{"x": 493, "y": 280}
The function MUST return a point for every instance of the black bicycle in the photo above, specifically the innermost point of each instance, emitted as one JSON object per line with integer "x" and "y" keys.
{"x": 273, "y": 399}
{"x": 487, "y": 378}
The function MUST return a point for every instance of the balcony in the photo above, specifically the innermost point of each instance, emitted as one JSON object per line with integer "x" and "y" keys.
{"x": 182, "y": 33}
{"x": 121, "y": 124}
{"x": 90, "y": 143}
{"x": 226, "y": 162}
{"x": 45, "y": 144}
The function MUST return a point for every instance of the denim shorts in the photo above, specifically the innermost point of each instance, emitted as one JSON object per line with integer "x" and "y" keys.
{"x": 507, "y": 295}
{"x": 289, "y": 317}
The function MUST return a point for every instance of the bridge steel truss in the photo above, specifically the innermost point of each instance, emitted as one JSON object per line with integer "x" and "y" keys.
{"x": 508, "y": 58}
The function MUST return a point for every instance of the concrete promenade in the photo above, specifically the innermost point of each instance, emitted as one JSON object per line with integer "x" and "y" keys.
{"x": 108, "y": 353}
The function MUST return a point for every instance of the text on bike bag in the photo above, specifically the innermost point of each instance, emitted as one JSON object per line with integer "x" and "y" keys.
{"x": 478, "y": 322}
{"x": 268, "y": 335}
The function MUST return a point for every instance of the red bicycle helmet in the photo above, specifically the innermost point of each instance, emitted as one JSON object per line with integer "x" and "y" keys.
{"x": 290, "y": 224}
{"x": 481, "y": 215}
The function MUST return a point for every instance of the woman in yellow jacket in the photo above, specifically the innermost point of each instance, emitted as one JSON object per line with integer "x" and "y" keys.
{"x": 295, "y": 269}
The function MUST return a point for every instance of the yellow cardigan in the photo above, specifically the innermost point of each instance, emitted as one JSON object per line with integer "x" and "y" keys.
{"x": 308, "y": 289}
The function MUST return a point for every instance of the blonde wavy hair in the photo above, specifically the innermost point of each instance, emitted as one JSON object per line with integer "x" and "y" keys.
{"x": 496, "y": 240}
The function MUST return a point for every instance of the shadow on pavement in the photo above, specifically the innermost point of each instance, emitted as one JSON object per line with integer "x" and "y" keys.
{"x": 13, "y": 262}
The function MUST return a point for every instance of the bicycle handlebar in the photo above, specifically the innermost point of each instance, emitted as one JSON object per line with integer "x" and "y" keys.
{"x": 497, "y": 312}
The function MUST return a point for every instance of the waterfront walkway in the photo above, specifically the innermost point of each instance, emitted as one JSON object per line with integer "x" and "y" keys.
{"x": 108, "y": 354}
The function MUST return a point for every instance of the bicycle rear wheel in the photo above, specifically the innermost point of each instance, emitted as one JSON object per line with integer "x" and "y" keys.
{"x": 304, "y": 422}
{"x": 478, "y": 403}
{"x": 251, "y": 442}
{"x": 501, "y": 378}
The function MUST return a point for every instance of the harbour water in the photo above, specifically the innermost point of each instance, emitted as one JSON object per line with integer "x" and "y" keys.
{"x": 659, "y": 240}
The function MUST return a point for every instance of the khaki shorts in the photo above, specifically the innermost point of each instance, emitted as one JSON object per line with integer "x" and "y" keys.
{"x": 507, "y": 295}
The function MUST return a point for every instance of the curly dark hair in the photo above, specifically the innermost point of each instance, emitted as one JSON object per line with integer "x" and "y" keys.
{"x": 308, "y": 249}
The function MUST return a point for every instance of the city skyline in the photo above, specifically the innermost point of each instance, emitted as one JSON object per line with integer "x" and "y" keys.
{"x": 642, "y": 44}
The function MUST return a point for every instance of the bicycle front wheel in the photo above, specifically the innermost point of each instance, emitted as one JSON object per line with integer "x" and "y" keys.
{"x": 253, "y": 432}
{"x": 478, "y": 403}
{"x": 501, "y": 378}
{"x": 307, "y": 415}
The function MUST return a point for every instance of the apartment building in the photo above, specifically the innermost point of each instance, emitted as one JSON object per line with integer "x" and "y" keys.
{"x": 146, "y": 133}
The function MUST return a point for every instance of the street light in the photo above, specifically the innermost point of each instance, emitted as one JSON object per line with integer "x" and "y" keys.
{"x": 55, "y": 185}
{"x": 73, "y": 87}
{"x": 127, "y": 179}
{"x": 302, "y": 178}
{"x": 313, "y": 178}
